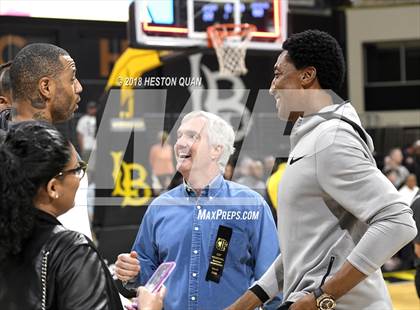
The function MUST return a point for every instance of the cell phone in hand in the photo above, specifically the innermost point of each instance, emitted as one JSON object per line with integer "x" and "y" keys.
{"x": 133, "y": 306}
{"x": 159, "y": 276}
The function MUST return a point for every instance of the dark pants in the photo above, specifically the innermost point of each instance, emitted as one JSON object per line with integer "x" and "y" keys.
{"x": 285, "y": 305}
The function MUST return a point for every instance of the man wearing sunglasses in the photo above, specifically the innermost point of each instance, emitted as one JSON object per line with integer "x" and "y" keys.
{"x": 45, "y": 88}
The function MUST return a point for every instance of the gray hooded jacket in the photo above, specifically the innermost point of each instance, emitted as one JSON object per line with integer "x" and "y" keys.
{"x": 334, "y": 202}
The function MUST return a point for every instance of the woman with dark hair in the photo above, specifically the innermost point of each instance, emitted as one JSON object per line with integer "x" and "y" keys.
{"x": 43, "y": 265}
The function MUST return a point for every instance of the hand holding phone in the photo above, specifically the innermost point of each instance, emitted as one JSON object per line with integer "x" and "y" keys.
{"x": 159, "y": 276}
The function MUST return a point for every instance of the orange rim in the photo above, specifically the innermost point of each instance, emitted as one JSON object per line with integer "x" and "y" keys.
{"x": 217, "y": 33}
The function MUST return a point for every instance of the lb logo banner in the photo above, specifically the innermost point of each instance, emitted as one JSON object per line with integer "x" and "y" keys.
{"x": 130, "y": 181}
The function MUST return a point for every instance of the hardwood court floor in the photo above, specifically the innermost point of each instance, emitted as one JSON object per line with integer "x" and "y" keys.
{"x": 404, "y": 296}
{"x": 402, "y": 290}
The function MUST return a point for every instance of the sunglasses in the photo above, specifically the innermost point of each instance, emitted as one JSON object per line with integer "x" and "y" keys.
{"x": 78, "y": 171}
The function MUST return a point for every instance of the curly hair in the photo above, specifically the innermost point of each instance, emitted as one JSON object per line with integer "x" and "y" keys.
{"x": 320, "y": 50}
{"x": 32, "y": 153}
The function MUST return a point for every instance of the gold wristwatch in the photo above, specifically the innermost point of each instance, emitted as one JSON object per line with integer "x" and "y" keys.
{"x": 324, "y": 301}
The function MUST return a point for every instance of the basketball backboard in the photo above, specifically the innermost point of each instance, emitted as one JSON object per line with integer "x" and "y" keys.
{"x": 180, "y": 24}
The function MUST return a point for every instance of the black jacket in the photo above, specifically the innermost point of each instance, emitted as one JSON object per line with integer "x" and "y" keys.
{"x": 76, "y": 275}
{"x": 4, "y": 123}
{"x": 4, "y": 119}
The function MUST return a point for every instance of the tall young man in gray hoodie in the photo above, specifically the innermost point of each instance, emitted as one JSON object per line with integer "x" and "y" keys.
{"x": 339, "y": 218}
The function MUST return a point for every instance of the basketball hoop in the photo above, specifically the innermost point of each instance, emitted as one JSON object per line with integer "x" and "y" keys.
{"x": 230, "y": 42}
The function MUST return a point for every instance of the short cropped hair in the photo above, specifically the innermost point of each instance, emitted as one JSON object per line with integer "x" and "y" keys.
{"x": 31, "y": 63}
{"x": 320, "y": 50}
{"x": 219, "y": 133}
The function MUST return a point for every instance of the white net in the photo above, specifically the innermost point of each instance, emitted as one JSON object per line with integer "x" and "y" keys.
{"x": 231, "y": 60}
{"x": 230, "y": 43}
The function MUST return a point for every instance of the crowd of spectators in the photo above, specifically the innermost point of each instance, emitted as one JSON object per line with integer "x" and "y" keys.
{"x": 402, "y": 168}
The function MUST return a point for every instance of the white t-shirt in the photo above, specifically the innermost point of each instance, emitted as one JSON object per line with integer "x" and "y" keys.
{"x": 87, "y": 128}
{"x": 77, "y": 218}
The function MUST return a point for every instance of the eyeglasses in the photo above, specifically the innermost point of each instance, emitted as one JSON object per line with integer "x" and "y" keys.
{"x": 78, "y": 171}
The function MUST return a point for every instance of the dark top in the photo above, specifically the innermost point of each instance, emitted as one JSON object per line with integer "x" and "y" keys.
{"x": 76, "y": 275}
{"x": 4, "y": 119}
{"x": 415, "y": 205}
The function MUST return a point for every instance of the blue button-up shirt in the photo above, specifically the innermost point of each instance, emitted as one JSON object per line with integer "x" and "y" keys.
{"x": 179, "y": 226}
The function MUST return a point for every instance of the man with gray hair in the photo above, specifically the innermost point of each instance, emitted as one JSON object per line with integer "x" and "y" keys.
{"x": 221, "y": 234}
